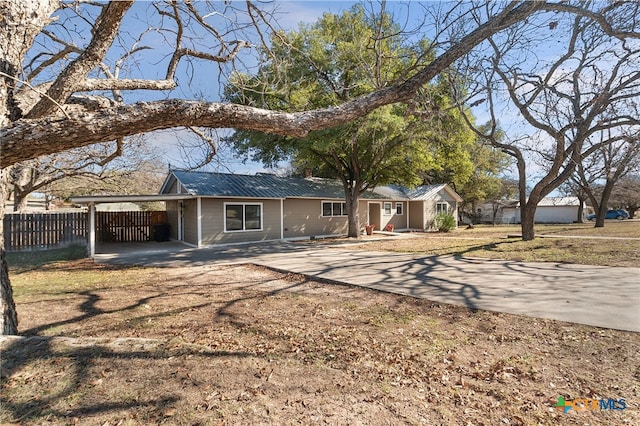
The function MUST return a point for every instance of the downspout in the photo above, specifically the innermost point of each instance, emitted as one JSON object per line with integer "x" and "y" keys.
{"x": 92, "y": 230}
{"x": 199, "y": 221}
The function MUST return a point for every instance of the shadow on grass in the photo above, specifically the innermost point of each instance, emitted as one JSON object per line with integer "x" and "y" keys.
{"x": 31, "y": 260}
{"x": 20, "y": 354}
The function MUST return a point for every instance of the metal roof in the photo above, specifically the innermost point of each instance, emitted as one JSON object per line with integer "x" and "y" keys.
{"x": 559, "y": 201}
{"x": 264, "y": 185}
{"x": 554, "y": 202}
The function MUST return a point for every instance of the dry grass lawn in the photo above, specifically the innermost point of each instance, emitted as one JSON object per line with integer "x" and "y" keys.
{"x": 244, "y": 345}
{"x": 617, "y": 244}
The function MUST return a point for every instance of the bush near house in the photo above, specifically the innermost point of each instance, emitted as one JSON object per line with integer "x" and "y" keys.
{"x": 445, "y": 222}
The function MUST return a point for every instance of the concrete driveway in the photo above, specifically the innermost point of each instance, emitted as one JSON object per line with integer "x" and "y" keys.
{"x": 594, "y": 295}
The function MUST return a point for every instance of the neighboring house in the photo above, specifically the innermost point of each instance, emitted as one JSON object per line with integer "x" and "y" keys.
{"x": 219, "y": 208}
{"x": 549, "y": 210}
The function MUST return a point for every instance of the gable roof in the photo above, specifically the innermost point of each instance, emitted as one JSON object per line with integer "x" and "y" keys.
{"x": 265, "y": 185}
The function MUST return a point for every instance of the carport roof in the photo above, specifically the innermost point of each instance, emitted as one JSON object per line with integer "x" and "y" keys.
{"x": 99, "y": 199}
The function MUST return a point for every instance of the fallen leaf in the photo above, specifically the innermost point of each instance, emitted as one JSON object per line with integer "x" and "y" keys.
{"x": 169, "y": 412}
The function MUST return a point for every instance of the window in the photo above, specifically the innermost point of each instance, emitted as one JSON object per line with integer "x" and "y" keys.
{"x": 442, "y": 208}
{"x": 242, "y": 217}
{"x": 387, "y": 209}
{"x": 330, "y": 209}
{"x": 399, "y": 208}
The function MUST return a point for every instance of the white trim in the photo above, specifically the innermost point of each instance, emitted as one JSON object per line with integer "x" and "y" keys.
{"x": 343, "y": 208}
{"x": 199, "y": 221}
{"x": 92, "y": 230}
{"x": 439, "y": 203}
{"x": 224, "y": 217}
{"x": 100, "y": 199}
{"x": 180, "y": 233}
{"x": 401, "y": 203}
{"x": 384, "y": 208}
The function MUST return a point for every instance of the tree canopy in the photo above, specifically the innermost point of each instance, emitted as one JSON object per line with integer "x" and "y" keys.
{"x": 335, "y": 60}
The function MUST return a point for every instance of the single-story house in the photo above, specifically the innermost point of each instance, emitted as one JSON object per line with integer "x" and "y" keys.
{"x": 206, "y": 209}
{"x": 230, "y": 208}
{"x": 549, "y": 210}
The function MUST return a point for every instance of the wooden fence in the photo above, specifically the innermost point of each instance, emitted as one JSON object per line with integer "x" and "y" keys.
{"x": 41, "y": 231}
{"x": 121, "y": 227}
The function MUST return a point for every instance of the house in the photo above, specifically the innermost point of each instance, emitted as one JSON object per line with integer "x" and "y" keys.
{"x": 221, "y": 208}
{"x": 549, "y": 210}
{"x": 206, "y": 209}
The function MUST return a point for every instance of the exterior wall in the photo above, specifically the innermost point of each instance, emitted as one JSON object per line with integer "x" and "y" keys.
{"x": 552, "y": 214}
{"x": 213, "y": 217}
{"x": 363, "y": 212}
{"x": 556, "y": 214}
{"x": 430, "y": 209}
{"x": 399, "y": 221}
{"x": 190, "y": 213}
{"x": 416, "y": 214}
{"x": 173, "y": 211}
{"x": 303, "y": 218}
{"x": 173, "y": 189}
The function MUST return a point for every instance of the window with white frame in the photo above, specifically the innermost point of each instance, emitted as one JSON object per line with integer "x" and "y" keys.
{"x": 242, "y": 217}
{"x": 333, "y": 208}
{"x": 442, "y": 207}
{"x": 387, "y": 209}
{"x": 399, "y": 207}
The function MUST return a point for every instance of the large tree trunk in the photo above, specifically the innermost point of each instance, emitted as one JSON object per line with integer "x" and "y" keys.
{"x": 581, "y": 200}
{"x": 21, "y": 22}
{"x": 527, "y": 221}
{"x": 604, "y": 202}
{"x": 8, "y": 314}
{"x": 20, "y": 201}
{"x": 352, "y": 197}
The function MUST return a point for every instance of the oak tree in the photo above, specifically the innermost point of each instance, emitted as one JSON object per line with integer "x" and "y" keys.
{"x": 71, "y": 75}
{"x": 558, "y": 101}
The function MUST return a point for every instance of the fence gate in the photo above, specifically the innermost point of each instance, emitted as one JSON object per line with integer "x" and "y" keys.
{"x": 123, "y": 227}
{"x": 41, "y": 231}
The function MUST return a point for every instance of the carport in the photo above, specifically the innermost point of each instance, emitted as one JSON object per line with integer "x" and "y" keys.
{"x": 91, "y": 201}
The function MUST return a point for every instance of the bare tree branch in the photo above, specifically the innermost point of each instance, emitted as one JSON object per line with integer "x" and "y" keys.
{"x": 106, "y": 29}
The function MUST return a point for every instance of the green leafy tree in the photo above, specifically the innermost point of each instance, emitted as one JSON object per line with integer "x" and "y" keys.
{"x": 339, "y": 58}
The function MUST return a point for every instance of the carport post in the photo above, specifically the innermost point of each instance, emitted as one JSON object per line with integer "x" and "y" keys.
{"x": 199, "y": 223}
{"x": 92, "y": 229}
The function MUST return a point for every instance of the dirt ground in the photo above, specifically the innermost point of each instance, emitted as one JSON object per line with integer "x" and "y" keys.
{"x": 245, "y": 345}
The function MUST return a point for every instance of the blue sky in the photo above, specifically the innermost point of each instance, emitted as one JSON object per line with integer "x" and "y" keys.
{"x": 290, "y": 15}
{"x": 201, "y": 80}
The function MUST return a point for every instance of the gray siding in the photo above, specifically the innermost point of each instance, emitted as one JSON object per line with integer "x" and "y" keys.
{"x": 430, "y": 208}
{"x": 213, "y": 222}
{"x": 172, "y": 218}
{"x": 191, "y": 221}
{"x": 303, "y": 218}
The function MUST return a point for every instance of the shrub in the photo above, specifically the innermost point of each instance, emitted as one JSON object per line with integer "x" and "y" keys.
{"x": 445, "y": 222}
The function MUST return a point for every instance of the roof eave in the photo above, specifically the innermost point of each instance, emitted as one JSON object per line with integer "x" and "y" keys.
{"x": 102, "y": 199}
